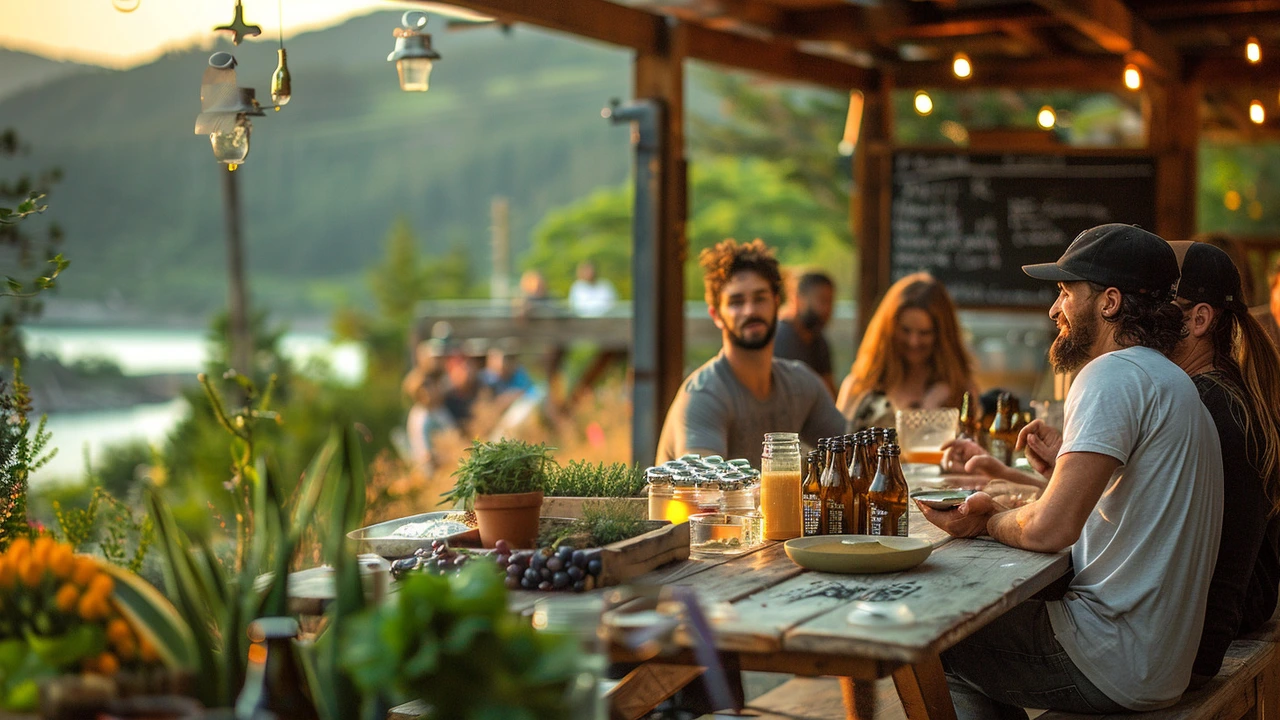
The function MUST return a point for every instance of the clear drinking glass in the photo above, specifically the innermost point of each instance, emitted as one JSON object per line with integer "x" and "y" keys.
{"x": 921, "y": 433}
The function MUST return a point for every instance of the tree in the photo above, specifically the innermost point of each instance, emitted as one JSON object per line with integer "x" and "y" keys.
{"x": 35, "y": 260}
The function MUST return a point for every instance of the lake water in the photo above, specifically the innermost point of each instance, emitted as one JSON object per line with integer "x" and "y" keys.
{"x": 145, "y": 351}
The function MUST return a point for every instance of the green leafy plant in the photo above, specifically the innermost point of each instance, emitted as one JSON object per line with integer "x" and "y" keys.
{"x": 21, "y": 453}
{"x": 501, "y": 467}
{"x": 585, "y": 479}
{"x": 452, "y": 642}
{"x": 603, "y": 522}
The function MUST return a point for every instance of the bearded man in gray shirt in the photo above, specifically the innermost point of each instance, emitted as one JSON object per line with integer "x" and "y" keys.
{"x": 726, "y": 406}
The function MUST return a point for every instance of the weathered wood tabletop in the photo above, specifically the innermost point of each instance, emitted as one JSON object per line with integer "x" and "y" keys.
{"x": 770, "y": 614}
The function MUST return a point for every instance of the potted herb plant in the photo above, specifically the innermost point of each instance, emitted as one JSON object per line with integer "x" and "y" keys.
{"x": 503, "y": 483}
{"x": 578, "y": 482}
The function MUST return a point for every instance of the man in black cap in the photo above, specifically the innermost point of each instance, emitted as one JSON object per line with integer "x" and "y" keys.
{"x": 1135, "y": 490}
{"x": 1237, "y": 371}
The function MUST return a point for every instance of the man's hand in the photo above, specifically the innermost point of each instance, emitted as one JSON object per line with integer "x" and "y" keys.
{"x": 966, "y": 521}
{"x": 957, "y": 453}
{"x": 1042, "y": 444}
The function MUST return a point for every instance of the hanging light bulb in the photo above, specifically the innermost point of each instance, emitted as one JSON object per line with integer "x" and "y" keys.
{"x": 1132, "y": 77}
{"x": 1046, "y": 118}
{"x": 961, "y": 66}
{"x": 1257, "y": 113}
{"x": 125, "y": 6}
{"x": 413, "y": 54}
{"x": 924, "y": 103}
{"x": 281, "y": 83}
{"x": 1253, "y": 51}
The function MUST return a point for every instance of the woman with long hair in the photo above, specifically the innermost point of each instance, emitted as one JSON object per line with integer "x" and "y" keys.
{"x": 911, "y": 356}
{"x": 1236, "y": 369}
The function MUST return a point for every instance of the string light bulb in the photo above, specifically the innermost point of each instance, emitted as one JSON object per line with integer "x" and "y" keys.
{"x": 1132, "y": 77}
{"x": 961, "y": 66}
{"x": 1253, "y": 51}
{"x": 1257, "y": 113}
{"x": 923, "y": 103}
{"x": 1046, "y": 118}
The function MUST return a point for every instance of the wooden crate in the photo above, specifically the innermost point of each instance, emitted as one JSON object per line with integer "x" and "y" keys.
{"x": 628, "y": 559}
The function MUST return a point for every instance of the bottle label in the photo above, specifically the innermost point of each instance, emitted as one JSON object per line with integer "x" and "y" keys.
{"x": 835, "y": 519}
{"x": 1000, "y": 450}
{"x": 884, "y": 523}
{"x": 812, "y": 509}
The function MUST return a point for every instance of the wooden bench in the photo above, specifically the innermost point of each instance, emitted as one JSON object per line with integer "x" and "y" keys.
{"x": 1248, "y": 686}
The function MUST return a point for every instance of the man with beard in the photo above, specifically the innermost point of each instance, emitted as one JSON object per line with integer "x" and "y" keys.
{"x": 1135, "y": 490}
{"x": 726, "y": 406}
{"x": 800, "y": 334}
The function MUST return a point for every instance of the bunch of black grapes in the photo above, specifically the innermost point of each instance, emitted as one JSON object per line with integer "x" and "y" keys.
{"x": 550, "y": 568}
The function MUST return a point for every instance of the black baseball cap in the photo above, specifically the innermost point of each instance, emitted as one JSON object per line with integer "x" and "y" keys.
{"x": 1116, "y": 255}
{"x": 1208, "y": 274}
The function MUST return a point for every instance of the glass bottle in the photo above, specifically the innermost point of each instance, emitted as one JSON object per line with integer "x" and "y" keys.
{"x": 273, "y": 684}
{"x": 873, "y": 443}
{"x": 969, "y": 411}
{"x": 1001, "y": 443}
{"x": 812, "y": 494}
{"x": 861, "y": 473}
{"x": 887, "y": 497}
{"x": 579, "y": 617}
{"x": 837, "y": 492}
{"x": 780, "y": 486}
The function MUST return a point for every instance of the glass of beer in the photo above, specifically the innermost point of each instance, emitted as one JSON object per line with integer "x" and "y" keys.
{"x": 921, "y": 433}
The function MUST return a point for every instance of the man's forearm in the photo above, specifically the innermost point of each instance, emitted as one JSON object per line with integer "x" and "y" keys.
{"x": 1017, "y": 528}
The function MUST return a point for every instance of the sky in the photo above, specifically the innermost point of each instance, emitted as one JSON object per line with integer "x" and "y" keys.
{"x": 93, "y": 31}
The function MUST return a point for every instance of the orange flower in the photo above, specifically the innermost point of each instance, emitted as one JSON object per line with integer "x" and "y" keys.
{"x": 92, "y": 607}
{"x": 8, "y": 572}
{"x": 117, "y": 629}
{"x": 30, "y": 572}
{"x": 86, "y": 568}
{"x": 67, "y": 597}
{"x": 108, "y": 664}
{"x": 61, "y": 561}
{"x": 41, "y": 548}
{"x": 102, "y": 585}
{"x": 125, "y": 647}
{"x": 19, "y": 548}
{"x": 147, "y": 651}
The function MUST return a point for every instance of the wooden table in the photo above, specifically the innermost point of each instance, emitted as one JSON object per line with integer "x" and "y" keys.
{"x": 775, "y": 616}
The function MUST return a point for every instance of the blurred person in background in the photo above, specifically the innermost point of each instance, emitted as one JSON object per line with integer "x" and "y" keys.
{"x": 591, "y": 295}
{"x": 800, "y": 327}
{"x": 1236, "y": 370}
{"x": 1268, "y": 315}
{"x": 425, "y": 386}
{"x": 911, "y": 356}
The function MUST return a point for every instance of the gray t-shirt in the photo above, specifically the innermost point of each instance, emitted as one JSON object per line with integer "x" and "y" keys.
{"x": 713, "y": 411}
{"x": 1132, "y": 616}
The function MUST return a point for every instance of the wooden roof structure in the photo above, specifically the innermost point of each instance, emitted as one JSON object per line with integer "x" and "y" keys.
{"x": 1191, "y": 53}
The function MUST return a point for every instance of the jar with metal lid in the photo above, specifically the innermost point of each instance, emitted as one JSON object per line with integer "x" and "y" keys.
{"x": 737, "y": 494}
{"x": 685, "y": 493}
{"x": 660, "y": 483}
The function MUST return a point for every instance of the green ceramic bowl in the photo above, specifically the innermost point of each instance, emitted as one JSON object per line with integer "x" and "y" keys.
{"x": 857, "y": 553}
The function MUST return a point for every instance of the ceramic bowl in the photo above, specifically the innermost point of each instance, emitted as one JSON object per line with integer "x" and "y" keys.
{"x": 857, "y": 553}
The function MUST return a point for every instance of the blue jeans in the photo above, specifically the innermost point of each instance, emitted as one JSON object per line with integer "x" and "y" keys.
{"x": 1014, "y": 663}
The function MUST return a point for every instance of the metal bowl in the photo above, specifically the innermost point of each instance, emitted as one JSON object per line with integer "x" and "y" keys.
{"x": 377, "y": 538}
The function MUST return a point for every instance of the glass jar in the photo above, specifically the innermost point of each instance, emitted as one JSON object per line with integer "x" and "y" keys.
{"x": 684, "y": 497}
{"x": 780, "y": 483}
{"x": 579, "y": 618}
{"x": 659, "y": 481}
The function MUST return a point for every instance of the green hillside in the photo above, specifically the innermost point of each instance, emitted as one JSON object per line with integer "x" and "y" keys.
{"x": 509, "y": 114}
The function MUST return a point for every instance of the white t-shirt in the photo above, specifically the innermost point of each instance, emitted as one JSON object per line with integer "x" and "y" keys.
{"x": 1132, "y": 617}
{"x": 592, "y": 299}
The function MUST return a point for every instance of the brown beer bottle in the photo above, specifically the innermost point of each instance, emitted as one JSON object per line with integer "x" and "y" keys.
{"x": 811, "y": 493}
{"x": 969, "y": 428}
{"x": 887, "y": 497}
{"x": 829, "y": 522}
{"x": 1001, "y": 444}
{"x": 861, "y": 473}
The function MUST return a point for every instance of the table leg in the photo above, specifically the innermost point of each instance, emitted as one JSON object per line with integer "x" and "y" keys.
{"x": 859, "y": 698}
{"x": 923, "y": 690}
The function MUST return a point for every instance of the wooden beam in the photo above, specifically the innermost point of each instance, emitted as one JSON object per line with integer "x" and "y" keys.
{"x": 1174, "y": 139}
{"x": 871, "y": 205}
{"x": 1156, "y": 12}
{"x": 594, "y": 19}
{"x": 1104, "y": 72}
{"x": 1236, "y": 71}
{"x": 777, "y": 59}
{"x": 1114, "y": 27}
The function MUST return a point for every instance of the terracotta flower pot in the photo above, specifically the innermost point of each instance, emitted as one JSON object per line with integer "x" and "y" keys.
{"x": 512, "y": 517}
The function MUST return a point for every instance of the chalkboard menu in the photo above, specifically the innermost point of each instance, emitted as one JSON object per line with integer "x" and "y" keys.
{"x": 973, "y": 221}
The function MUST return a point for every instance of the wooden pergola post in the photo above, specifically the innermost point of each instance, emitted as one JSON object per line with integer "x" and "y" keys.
{"x": 1174, "y": 140}
{"x": 659, "y": 76}
{"x": 872, "y": 174}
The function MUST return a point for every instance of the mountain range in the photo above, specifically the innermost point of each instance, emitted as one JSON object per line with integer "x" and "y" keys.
{"x": 514, "y": 113}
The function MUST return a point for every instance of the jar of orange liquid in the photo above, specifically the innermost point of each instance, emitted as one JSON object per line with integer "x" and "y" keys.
{"x": 780, "y": 486}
